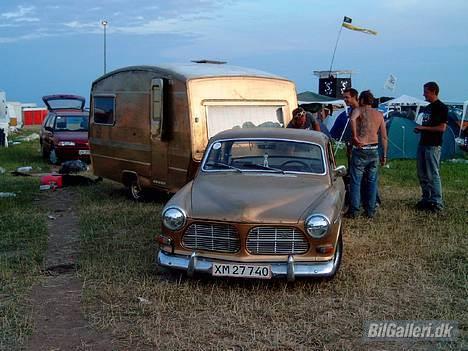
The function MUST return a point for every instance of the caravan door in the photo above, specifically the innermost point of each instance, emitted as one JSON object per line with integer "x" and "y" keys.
{"x": 158, "y": 147}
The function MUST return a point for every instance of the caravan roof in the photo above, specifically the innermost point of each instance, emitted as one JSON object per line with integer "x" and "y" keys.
{"x": 197, "y": 70}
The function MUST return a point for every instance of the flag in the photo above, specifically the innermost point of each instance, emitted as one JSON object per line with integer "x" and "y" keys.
{"x": 347, "y": 19}
{"x": 390, "y": 83}
{"x": 359, "y": 29}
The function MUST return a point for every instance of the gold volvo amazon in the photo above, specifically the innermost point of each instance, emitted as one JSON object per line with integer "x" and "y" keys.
{"x": 266, "y": 202}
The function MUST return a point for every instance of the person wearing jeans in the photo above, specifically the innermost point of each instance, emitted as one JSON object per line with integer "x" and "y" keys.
{"x": 432, "y": 129}
{"x": 428, "y": 164}
{"x": 366, "y": 124}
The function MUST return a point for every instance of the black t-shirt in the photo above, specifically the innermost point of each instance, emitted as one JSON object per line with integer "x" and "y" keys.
{"x": 434, "y": 114}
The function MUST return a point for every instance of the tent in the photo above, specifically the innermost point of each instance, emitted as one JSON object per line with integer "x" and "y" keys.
{"x": 308, "y": 97}
{"x": 405, "y": 100}
{"x": 403, "y": 141}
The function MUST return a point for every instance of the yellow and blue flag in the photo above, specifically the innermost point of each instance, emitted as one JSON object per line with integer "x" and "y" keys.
{"x": 347, "y": 24}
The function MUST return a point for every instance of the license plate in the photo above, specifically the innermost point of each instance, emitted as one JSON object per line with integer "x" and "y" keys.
{"x": 241, "y": 270}
{"x": 83, "y": 152}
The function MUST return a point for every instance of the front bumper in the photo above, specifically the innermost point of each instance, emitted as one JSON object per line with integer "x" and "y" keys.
{"x": 290, "y": 269}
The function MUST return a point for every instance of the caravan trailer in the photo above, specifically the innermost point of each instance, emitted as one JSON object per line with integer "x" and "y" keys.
{"x": 149, "y": 125}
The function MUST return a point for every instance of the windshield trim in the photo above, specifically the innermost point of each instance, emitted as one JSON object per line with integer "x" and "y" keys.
{"x": 207, "y": 152}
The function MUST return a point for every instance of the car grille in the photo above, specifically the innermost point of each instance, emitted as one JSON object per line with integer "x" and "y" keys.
{"x": 276, "y": 240}
{"x": 211, "y": 237}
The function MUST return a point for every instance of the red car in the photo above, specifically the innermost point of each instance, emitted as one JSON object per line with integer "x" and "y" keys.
{"x": 64, "y": 132}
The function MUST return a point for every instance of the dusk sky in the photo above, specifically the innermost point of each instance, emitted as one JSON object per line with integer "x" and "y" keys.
{"x": 50, "y": 46}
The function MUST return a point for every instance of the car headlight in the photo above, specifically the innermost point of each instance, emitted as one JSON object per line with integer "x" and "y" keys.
{"x": 317, "y": 225}
{"x": 174, "y": 218}
{"x": 66, "y": 143}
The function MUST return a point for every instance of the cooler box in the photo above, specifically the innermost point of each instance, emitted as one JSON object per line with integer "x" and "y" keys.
{"x": 54, "y": 180}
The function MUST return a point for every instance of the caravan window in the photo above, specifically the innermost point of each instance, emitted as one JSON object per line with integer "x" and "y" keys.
{"x": 220, "y": 117}
{"x": 104, "y": 109}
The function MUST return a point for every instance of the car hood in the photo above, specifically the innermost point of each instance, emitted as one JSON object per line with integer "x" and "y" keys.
{"x": 255, "y": 197}
{"x": 71, "y": 136}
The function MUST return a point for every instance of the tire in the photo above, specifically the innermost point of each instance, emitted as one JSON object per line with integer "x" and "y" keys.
{"x": 135, "y": 192}
{"x": 53, "y": 158}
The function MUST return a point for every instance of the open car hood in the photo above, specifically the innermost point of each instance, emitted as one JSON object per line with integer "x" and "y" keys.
{"x": 64, "y": 102}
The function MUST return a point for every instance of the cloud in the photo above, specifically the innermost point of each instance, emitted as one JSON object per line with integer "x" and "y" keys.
{"x": 27, "y": 19}
{"x": 21, "y": 12}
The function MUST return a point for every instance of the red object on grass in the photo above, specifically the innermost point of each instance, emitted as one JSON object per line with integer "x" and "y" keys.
{"x": 54, "y": 180}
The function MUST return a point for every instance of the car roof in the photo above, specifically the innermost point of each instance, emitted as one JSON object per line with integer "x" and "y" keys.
{"x": 274, "y": 133}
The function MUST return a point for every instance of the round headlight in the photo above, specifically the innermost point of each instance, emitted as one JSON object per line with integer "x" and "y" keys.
{"x": 174, "y": 218}
{"x": 317, "y": 225}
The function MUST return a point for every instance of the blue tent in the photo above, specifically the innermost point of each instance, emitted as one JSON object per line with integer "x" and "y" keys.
{"x": 403, "y": 141}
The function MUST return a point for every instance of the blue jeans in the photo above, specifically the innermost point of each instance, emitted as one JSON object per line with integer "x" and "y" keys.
{"x": 428, "y": 164}
{"x": 364, "y": 163}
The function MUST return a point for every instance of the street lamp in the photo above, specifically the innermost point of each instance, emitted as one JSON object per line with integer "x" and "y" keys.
{"x": 104, "y": 24}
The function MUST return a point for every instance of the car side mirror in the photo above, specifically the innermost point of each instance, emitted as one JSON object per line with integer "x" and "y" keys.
{"x": 340, "y": 171}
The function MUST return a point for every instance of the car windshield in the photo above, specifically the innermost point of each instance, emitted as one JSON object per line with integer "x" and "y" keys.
{"x": 265, "y": 155}
{"x": 72, "y": 123}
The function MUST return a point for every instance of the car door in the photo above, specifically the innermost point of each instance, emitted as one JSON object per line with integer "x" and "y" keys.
{"x": 48, "y": 132}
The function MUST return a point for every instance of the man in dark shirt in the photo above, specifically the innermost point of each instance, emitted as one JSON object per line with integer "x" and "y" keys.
{"x": 428, "y": 155}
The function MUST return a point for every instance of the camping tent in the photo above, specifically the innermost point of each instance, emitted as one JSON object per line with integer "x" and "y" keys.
{"x": 308, "y": 97}
{"x": 399, "y": 102}
{"x": 405, "y": 100}
{"x": 403, "y": 141}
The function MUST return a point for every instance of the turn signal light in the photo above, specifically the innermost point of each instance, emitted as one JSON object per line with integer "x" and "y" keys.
{"x": 325, "y": 249}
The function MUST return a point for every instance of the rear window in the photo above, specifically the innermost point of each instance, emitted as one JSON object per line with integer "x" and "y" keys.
{"x": 71, "y": 123}
{"x": 104, "y": 109}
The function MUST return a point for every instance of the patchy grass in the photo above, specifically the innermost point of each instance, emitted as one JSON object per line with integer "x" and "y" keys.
{"x": 23, "y": 241}
{"x": 404, "y": 265}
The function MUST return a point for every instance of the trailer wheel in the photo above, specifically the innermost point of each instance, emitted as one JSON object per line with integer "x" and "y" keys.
{"x": 135, "y": 191}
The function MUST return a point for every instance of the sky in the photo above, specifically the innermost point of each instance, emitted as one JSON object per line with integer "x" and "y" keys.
{"x": 51, "y": 47}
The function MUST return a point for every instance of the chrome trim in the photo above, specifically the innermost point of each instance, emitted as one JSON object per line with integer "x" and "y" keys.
{"x": 274, "y": 240}
{"x": 176, "y": 208}
{"x": 208, "y": 150}
{"x": 289, "y": 269}
{"x": 214, "y": 237}
{"x": 312, "y": 215}
{"x": 192, "y": 264}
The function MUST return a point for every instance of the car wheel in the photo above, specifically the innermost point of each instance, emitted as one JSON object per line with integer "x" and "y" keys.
{"x": 135, "y": 191}
{"x": 53, "y": 158}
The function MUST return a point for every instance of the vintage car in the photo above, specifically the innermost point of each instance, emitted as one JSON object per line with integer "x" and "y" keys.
{"x": 265, "y": 203}
{"x": 64, "y": 132}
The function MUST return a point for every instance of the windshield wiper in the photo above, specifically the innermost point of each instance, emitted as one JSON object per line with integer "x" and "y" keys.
{"x": 214, "y": 163}
{"x": 264, "y": 167}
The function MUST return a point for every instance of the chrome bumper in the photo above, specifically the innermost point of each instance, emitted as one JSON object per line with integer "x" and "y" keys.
{"x": 290, "y": 270}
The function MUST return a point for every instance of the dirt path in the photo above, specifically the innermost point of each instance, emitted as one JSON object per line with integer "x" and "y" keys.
{"x": 58, "y": 321}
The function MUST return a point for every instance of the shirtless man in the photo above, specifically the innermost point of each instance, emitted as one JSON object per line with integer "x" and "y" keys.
{"x": 366, "y": 123}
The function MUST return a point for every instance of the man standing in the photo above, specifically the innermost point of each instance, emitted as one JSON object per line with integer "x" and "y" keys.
{"x": 366, "y": 123}
{"x": 303, "y": 120}
{"x": 428, "y": 155}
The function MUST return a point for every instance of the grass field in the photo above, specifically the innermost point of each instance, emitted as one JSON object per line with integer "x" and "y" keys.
{"x": 404, "y": 265}
{"x": 23, "y": 240}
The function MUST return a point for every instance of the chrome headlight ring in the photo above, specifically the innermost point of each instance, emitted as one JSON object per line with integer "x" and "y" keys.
{"x": 174, "y": 218}
{"x": 317, "y": 225}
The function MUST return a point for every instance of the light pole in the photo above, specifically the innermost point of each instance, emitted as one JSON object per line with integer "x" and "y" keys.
{"x": 104, "y": 24}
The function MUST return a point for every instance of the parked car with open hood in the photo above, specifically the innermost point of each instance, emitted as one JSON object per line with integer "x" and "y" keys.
{"x": 64, "y": 132}
{"x": 264, "y": 203}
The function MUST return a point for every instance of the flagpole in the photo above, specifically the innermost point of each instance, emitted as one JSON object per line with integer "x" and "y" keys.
{"x": 334, "y": 51}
